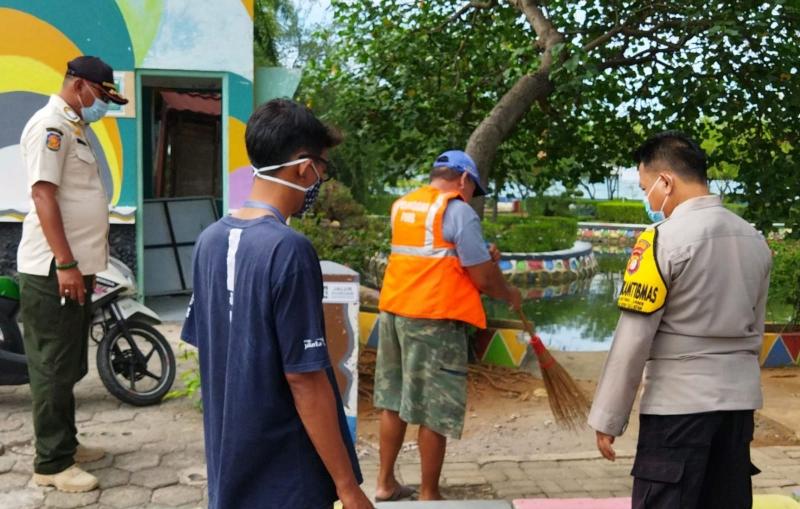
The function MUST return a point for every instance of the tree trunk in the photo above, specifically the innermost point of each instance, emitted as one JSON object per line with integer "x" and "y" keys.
{"x": 501, "y": 121}
{"x": 515, "y": 104}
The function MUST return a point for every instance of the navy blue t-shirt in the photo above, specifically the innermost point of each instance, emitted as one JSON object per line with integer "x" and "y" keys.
{"x": 255, "y": 315}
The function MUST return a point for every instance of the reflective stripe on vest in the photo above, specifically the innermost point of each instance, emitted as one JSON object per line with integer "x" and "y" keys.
{"x": 424, "y": 278}
{"x": 424, "y": 251}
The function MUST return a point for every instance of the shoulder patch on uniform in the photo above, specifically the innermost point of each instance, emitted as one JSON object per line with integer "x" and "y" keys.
{"x": 53, "y": 140}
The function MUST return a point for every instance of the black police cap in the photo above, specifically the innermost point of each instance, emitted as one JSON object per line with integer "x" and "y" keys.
{"x": 95, "y": 70}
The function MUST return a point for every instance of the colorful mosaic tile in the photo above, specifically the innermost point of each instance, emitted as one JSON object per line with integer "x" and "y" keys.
{"x": 780, "y": 349}
{"x": 368, "y": 329}
{"x": 508, "y": 347}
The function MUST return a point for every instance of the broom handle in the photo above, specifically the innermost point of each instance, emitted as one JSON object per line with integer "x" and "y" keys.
{"x": 536, "y": 341}
{"x": 528, "y": 326}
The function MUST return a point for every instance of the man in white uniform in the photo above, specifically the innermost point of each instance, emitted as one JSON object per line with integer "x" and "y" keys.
{"x": 64, "y": 244}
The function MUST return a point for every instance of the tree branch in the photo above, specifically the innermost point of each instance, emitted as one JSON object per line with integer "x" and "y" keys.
{"x": 599, "y": 41}
{"x": 547, "y": 36}
{"x": 472, "y": 4}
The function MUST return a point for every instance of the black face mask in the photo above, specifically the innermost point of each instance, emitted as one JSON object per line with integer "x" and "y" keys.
{"x": 311, "y": 196}
{"x": 311, "y": 192}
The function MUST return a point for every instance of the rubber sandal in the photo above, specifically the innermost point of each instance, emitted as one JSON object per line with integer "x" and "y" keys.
{"x": 400, "y": 492}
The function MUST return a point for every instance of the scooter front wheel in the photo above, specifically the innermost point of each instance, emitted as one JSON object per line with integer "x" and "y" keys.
{"x": 138, "y": 367}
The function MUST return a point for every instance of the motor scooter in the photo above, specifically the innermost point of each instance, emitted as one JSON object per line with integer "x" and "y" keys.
{"x": 135, "y": 361}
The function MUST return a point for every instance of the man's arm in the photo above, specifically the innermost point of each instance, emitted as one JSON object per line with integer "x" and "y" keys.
{"x": 489, "y": 280}
{"x": 462, "y": 227}
{"x": 70, "y": 281}
{"x": 316, "y": 405}
{"x": 622, "y": 374}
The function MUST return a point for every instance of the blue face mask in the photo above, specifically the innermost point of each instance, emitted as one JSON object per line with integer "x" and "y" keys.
{"x": 655, "y": 215}
{"x": 95, "y": 112}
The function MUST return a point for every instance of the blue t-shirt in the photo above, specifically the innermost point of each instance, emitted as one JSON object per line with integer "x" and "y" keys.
{"x": 462, "y": 226}
{"x": 255, "y": 315}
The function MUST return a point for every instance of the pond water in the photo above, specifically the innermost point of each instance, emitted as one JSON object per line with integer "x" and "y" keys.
{"x": 582, "y": 316}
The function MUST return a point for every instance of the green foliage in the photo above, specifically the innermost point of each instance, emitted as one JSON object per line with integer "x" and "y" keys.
{"x": 274, "y": 21}
{"x": 189, "y": 378}
{"x": 622, "y": 212}
{"x": 336, "y": 203}
{"x": 785, "y": 277}
{"x": 406, "y": 80}
{"x": 350, "y": 246}
{"x": 380, "y": 204}
{"x": 340, "y": 230}
{"x": 737, "y": 208}
{"x": 516, "y": 234}
{"x": 549, "y": 206}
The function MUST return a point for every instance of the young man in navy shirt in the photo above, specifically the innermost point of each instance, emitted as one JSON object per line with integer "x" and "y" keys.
{"x": 275, "y": 430}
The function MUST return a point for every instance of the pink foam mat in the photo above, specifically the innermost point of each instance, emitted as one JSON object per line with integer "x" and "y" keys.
{"x": 574, "y": 503}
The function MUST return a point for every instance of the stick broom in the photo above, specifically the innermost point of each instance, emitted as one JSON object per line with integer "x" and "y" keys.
{"x": 569, "y": 404}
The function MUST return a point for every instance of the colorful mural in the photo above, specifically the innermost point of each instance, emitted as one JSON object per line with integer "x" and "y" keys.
{"x": 39, "y": 38}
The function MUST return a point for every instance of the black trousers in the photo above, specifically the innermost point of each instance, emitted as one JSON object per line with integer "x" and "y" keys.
{"x": 693, "y": 461}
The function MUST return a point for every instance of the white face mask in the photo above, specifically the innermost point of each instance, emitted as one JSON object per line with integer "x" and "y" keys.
{"x": 311, "y": 191}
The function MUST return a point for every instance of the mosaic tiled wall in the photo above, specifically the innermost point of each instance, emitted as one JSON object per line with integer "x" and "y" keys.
{"x": 780, "y": 349}
{"x": 509, "y": 347}
{"x": 543, "y": 269}
{"x": 526, "y": 269}
{"x": 611, "y": 234}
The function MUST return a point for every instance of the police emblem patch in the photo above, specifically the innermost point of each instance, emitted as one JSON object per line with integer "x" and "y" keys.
{"x": 53, "y": 141}
{"x": 636, "y": 256}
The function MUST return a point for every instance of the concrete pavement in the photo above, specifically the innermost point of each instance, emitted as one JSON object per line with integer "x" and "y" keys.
{"x": 156, "y": 460}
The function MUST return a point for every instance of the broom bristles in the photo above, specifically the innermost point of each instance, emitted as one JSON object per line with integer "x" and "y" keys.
{"x": 568, "y": 403}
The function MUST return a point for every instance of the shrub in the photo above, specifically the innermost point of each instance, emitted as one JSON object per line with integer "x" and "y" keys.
{"x": 349, "y": 245}
{"x": 380, "y": 204}
{"x": 622, "y": 212}
{"x": 336, "y": 203}
{"x": 549, "y": 206}
{"x": 529, "y": 235}
{"x": 737, "y": 208}
{"x": 785, "y": 278}
{"x": 584, "y": 208}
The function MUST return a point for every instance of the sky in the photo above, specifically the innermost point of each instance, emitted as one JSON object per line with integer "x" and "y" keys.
{"x": 318, "y": 11}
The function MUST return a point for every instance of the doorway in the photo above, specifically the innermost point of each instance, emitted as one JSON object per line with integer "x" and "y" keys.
{"x": 182, "y": 177}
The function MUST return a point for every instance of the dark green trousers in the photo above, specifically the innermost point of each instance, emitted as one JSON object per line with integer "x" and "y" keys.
{"x": 56, "y": 344}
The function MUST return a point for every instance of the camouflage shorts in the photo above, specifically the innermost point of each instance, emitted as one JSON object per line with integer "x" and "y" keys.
{"x": 421, "y": 372}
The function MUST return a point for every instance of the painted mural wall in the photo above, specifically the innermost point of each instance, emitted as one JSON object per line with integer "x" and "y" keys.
{"x": 40, "y": 37}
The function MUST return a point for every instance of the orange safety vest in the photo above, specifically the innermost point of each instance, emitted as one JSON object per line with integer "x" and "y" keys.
{"x": 424, "y": 278}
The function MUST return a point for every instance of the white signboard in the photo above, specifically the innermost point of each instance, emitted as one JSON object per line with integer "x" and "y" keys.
{"x": 339, "y": 293}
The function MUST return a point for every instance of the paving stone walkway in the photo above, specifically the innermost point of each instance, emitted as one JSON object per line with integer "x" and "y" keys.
{"x": 156, "y": 460}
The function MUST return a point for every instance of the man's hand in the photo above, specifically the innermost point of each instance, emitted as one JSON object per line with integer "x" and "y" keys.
{"x": 70, "y": 284}
{"x": 494, "y": 253}
{"x": 353, "y": 497}
{"x": 604, "y": 442}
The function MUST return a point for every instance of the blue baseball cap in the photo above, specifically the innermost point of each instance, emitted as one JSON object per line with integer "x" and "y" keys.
{"x": 461, "y": 162}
